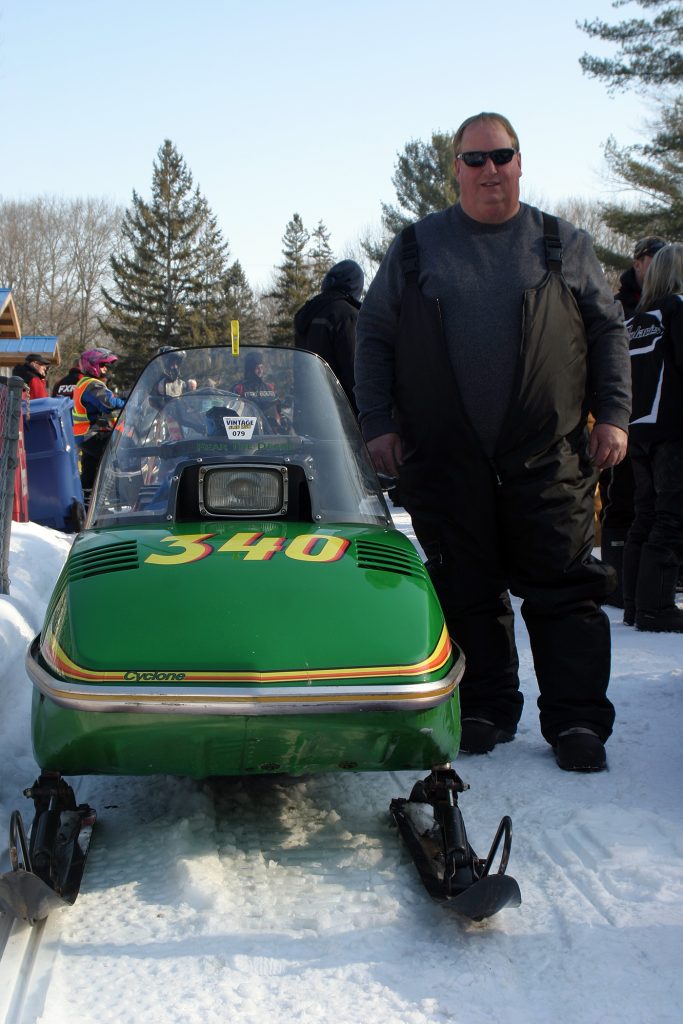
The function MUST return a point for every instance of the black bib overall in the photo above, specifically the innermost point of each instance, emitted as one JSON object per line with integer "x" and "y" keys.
{"x": 522, "y": 521}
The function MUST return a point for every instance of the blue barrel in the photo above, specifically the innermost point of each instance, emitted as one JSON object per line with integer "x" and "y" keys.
{"x": 55, "y": 495}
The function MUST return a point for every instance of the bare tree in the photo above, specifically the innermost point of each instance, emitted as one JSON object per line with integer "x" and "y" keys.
{"x": 54, "y": 255}
{"x": 614, "y": 250}
{"x": 367, "y": 249}
{"x": 95, "y": 231}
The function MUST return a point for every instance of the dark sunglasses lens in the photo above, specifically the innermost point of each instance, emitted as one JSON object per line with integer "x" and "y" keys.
{"x": 478, "y": 157}
{"x": 502, "y": 156}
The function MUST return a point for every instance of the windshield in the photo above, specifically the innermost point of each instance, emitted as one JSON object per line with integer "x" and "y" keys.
{"x": 265, "y": 405}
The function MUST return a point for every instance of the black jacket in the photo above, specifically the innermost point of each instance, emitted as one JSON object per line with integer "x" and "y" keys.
{"x": 326, "y": 325}
{"x": 656, "y": 349}
{"x": 64, "y": 387}
{"x": 34, "y": 380}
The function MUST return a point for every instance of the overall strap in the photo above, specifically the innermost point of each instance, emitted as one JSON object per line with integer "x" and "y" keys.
{"x": 409, "y": 254}
{"x": 553, "y": 245}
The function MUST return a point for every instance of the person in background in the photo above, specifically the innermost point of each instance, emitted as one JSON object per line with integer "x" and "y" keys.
{"x": 326, "y": 324}
{"x": 486, "y": 336}
{"x": 64, "y": 387}
{"x": 654, "y": 546}
{"x": 93, "y": 411}
{"x": 172, "y": 385}
{"x": 631, "y": 281}
{"x": 256, "y": 389}
{"x": 253, "y": 386}
{"x": 33, "y": 371}
{"x": 616, "y": 484}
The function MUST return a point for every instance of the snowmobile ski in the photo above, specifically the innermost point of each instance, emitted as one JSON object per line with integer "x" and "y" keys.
{"x": 47, "y": 868}
{"x": 432, "y": 827}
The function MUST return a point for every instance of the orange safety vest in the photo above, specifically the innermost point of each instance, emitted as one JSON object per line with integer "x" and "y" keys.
{"x": 80, "y": 413}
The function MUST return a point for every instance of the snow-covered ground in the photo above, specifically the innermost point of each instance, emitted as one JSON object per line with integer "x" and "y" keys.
{"x": 292, "y": 900}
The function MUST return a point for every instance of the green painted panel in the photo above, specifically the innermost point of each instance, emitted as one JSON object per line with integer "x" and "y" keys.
{"x": 79, "y": 743}
{"x": 252, "y": 596}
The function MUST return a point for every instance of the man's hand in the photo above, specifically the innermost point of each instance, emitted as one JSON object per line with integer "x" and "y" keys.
{"x": 386, "y": 453}
{"x": 608, "y": 445}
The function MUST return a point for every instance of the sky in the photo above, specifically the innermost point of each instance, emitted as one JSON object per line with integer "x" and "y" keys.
{"x": 284, "y": 106}
{"x": 293, "y": 901}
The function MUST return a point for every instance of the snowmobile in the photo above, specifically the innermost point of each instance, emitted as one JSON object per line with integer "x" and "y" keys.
{"x": 240, "y": 602}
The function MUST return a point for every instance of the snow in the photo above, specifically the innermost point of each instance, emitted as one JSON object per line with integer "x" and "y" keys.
{"x": 293, "y": 901}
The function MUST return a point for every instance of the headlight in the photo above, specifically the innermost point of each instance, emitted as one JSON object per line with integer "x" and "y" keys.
{"x": 243, "y": 490}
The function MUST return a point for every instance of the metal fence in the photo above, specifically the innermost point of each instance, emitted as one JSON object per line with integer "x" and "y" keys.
{"x": 10, "y": 412}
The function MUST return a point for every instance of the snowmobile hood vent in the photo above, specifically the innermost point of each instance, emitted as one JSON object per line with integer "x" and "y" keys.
{"x": 378, "y": 556}
{"x": 108, "y": 558}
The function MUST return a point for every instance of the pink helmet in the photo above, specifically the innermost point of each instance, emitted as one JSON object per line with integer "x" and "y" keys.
{"x": 93, "y": 360}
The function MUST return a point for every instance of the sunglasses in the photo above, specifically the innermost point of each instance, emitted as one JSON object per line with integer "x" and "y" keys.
{"x": 478, "y": 157}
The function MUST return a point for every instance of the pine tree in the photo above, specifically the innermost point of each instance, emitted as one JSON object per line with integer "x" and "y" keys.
{"x": 240, "y": 304}
{"x": 650, "y": 59}
{"x": 650, "y": 53}
{"x": 205, "y": 314}
{"x": 320, "y": 256}
{"x": 160, "y": 275}
{"x": 425, "y": 182}
{"x": 655, "y": 172}
{"x": 293, "y": 281}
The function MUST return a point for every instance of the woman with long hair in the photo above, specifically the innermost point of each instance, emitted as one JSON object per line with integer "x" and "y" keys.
{"x": 654, "y": 547}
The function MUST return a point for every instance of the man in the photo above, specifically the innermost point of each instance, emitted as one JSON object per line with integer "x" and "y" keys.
{"x": 326, "y": 324}
{"x": 631, "y": 281}
{"x": 616, "y": 483}
{"x": 33, "y": 371}
{"x": 484, "y": 337}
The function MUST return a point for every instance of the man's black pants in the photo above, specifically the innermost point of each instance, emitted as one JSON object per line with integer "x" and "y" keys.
{"x": 534, "y": 539}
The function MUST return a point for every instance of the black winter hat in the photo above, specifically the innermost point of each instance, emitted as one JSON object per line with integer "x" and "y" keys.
{"x": 346, "y": 276}
{"x": 252, "y": 360}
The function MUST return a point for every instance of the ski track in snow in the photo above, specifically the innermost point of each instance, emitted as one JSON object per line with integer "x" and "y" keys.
{"x": 293, "y": 900}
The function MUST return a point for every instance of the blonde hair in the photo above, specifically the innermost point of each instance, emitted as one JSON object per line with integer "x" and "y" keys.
{"x": 485, "y": 116}
{"x": 664, "y": 276}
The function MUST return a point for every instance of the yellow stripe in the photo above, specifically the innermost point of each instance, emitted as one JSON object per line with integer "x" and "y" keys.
{"x": 68, "y": 669}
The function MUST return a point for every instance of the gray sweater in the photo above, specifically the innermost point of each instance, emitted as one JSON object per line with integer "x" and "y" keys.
{"x": 479, "y": 273}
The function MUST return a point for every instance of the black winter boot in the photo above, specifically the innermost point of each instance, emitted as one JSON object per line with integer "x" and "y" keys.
{"x": 656, "y": 610}
{"x": 629, "y": 580}
{"x": 580, "y": 750}
{"x": 612, "y": 553}
{"x": 480, "y": 736}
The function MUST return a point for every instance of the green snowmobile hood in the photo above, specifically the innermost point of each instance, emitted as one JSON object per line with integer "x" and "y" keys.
{"x": 257, "y": 600}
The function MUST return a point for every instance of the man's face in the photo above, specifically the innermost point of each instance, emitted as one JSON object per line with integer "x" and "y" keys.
{"x": 640, "y": 266}
{"x": 488, "y": 194}
{"x": 39, "y": 368}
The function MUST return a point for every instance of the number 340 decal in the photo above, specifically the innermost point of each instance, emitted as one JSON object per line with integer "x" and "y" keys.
{"x": 317, "y": 548}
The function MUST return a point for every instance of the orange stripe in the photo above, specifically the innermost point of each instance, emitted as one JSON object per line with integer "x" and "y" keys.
{"x": 68, "y": 669}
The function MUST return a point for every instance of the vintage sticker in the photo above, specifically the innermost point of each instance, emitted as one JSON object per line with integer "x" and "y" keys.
{"x": 239, "y": 427}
